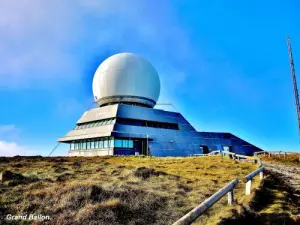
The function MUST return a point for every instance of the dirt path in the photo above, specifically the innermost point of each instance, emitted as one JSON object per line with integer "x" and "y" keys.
{"x": 287, "y": 174}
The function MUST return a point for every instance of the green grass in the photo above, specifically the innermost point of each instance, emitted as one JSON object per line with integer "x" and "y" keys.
{"x": 120, "y": 190}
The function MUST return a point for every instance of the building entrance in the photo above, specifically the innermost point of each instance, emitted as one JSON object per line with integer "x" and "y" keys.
{"x": 140, "y": 146}
{"x": 204, "y": 149}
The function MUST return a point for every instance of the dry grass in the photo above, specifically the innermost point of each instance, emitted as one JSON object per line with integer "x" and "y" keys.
{"x": 119, "y": 190}
{"x": 289, "y": 159}
{"x": 273, "y": 203}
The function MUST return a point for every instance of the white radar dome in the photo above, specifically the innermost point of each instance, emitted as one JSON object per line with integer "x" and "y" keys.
{"x": 126, "y": 78}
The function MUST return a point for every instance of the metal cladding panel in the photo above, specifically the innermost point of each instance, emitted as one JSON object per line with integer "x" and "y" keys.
{"x": 144, "y": 130}
{"x": 161, "y": 142}
{"x": 143, "y": 113}
{"x": 83, "y": 137}
{"x": 99, "y": 114}
{"x": 92, "y": 132}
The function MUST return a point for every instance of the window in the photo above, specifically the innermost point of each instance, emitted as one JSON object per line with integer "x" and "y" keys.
{"x": 105, "y": 143}
{"x": 111, "y": 142}
{"x": 72, "y": 146}
{"x": 101, "y": 143}
{"x": 130, "y": 144}
{"x": 125, "y": 143}
{"x": 88, "y": 145}
{"x": 76, "y": 146}
{"x": 96, "y": 144}
{"x": 118, "y": 143}
{"x": 84, "y": 144}
{"x": 92, "y": 144}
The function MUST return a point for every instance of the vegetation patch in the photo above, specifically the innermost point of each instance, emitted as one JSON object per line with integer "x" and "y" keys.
{"x": 119, "y": 190}
{"x": 272, "y": 203}
{"x": 146, "y": 173}
{"x": 288, "y": 159}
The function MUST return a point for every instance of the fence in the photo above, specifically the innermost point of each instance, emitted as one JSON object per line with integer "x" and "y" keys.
{"x": 212, "y": 153}
{"x": 191, "y": 216}
{"x": 226, "y": 153}
{"x": 196, "y": 212}
{"x": 279, "y": 153}
{"x": 249, "y": 177}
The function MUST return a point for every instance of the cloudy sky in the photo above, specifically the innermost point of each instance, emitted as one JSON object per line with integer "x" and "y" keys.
{"x": 223, "y": 64}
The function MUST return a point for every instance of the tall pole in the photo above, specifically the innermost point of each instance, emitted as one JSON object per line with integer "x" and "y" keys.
{"x": 147, "y": 151}
{"x": 293, "y": 73}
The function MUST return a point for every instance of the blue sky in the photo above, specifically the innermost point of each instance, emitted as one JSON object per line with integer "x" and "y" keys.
{"x": 223, "y": 64}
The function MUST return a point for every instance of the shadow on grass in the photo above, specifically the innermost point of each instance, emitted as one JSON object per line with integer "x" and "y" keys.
{"x": 264, "y": 198}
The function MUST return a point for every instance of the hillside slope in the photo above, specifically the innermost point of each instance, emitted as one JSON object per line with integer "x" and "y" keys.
{"x": 116, "y": 190}
{"x": 277, "y": 200}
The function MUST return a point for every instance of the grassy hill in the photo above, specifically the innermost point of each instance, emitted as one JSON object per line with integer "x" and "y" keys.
{"x": 117, "y": 190}
{"x": 289, "y": 159}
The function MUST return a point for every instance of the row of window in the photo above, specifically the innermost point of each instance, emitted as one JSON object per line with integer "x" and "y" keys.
{"x": 107, "y": 142}
{"x": 131, "y": 122}
{"x": 95, "y": 123}
{"x": 160, "y": 125}
{"x": 145, "y": 123}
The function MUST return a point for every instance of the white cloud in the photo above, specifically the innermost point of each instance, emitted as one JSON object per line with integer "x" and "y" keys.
{"x": 12, "y": 149}
{"x": 7, "y": 128}
{"x": 38, "y": 38}
{"x": 9, "y": 132}
{"x": 9, "y": 137}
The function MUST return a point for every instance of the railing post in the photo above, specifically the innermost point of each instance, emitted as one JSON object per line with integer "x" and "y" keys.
{"x": 261, "y": 175}
{"x": 259, "y": 162}
{"x": 230, "y": 197}
{"x": 248, "y": 187}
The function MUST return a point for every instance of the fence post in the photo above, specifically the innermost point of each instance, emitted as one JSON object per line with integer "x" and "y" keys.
{"x": 248, "y": 187}
{"x": 259, "y": 162}
{"x": 230, "y": 197}
{"x": 261, "y": 175}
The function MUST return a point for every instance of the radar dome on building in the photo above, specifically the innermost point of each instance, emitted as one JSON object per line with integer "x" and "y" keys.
{"x": 126, "y": 78}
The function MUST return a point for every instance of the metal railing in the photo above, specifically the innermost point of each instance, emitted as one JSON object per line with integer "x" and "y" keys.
{"x": 249, "y": 177}
{"x": 269, "y": 153}
{"x": 237, "y": 156}
{"x": 191, "y": 216}
{"x": 196, "y": 212}
{"x": 212, "y": 153}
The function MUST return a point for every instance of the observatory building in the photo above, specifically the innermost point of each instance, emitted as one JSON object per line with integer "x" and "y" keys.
{"x": 126, "y": 87}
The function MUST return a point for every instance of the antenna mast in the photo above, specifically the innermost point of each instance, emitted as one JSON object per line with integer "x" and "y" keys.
{"x": 293, "y": 73}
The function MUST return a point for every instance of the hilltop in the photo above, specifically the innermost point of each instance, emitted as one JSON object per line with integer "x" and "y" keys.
{"x": 118, "y": 190}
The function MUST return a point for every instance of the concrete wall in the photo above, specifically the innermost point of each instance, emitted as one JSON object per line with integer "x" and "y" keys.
{"x": 92, "y": 152}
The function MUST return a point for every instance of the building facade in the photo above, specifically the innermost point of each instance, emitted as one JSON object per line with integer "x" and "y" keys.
{"x": 125, "y": 123}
